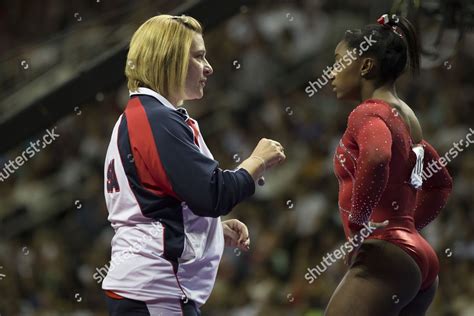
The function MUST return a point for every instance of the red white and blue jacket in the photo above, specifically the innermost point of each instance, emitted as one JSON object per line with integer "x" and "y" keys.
{"x": 165, "y": 194}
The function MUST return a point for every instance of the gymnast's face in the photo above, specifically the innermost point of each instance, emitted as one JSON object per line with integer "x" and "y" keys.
{"x": 198, "y": 70}
{"x": 345, "y": 76}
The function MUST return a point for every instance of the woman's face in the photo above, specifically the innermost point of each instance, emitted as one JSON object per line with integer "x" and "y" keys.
{"x": 198, "y": 70}
{"x": 346, "y": 78}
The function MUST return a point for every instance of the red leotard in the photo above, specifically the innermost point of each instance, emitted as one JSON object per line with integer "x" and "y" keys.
{"x": 373, "y": 164}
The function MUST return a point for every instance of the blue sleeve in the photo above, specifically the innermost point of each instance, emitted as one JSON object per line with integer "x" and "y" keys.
{"x": 195, "y": 178}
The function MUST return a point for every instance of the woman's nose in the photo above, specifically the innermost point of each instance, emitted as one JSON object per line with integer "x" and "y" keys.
{"x": 208, "y": 69}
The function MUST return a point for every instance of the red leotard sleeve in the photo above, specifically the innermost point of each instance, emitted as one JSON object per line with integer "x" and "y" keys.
{"x": 374, "y": 141}
{"x": 435, "y": 190}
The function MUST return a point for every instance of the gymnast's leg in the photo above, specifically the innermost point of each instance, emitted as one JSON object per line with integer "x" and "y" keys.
{"x": 419, "y": 305}
{"x": 382, "y": 280}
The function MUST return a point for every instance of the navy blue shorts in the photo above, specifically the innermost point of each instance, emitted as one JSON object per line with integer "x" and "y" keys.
{"x": 126, "y": 307}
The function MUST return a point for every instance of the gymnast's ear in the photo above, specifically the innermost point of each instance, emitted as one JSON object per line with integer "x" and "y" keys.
{"x": 367, "y": 68}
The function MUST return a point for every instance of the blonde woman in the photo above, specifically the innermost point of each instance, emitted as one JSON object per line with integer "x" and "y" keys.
{"x": 164, "y": 191}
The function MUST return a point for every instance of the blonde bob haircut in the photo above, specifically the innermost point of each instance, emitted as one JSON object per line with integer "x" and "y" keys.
{"x": 158, "y": 57}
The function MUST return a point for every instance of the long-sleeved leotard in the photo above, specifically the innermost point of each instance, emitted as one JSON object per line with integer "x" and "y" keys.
{"x": 374, "y": 163}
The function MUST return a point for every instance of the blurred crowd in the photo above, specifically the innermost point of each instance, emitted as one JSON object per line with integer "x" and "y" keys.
{"x": 54, "y": 232}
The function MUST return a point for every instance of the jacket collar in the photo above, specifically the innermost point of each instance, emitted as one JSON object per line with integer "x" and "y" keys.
{"x": 153, "y": 93}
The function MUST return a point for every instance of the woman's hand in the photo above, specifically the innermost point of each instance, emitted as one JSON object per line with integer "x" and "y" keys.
{"x": 266, "y": 155}
{"x": 271, "y": 151}
{"x": 236, "y": 234}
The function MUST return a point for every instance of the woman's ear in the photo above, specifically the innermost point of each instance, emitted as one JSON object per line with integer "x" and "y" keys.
{"x": 367, "y": 68}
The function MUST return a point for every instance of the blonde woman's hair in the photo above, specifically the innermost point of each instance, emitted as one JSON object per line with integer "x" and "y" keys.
{"x": 158, "y": 57}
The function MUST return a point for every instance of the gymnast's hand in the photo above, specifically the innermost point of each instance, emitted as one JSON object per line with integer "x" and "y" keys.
{"x": 378, "y": 225}
{"x": 373, "y": 226}
{"x": 236, "y": 234}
